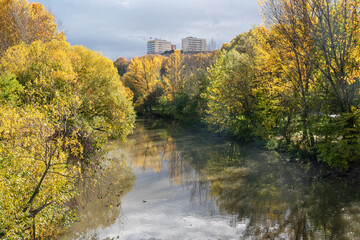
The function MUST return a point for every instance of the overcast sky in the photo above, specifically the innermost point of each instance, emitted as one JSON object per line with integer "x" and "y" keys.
{"x": 120, "y": 28}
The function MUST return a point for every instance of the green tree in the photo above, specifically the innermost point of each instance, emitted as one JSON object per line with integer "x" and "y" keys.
{"x": 230, "y": 92}
{"x": 10, "y": 89}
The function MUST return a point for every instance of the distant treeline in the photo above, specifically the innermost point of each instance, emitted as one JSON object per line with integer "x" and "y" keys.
{"x": 168, "y": 86}
{"x": 292, "y": 83}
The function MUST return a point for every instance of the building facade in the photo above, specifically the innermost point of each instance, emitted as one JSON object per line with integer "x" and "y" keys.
{"x": 157, "y": 46}
{"x": 192, "y": 44}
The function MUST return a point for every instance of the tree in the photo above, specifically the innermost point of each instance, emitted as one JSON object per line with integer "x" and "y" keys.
{"x": 174, "y": 80}
{"x": 44, "y": 69}
{"x": 36, "y": 178}
{"x": 21, "y": 21}
{"x": 323, "y": 43}
{"x": 230, "y": 92}
{"x": 328, "y": 31}
{"x": 10, "y": 89}
{"x": 106, "y": 102}
{"x": 143, "y": 77}
{"x": 57, "y": 104}
{"x": 276, "y": 104}
{"x": 122, "y": 65}
{"x": 90, "y": 83}
{"x": 184, "y": 81}
{"x": 336, "y": 33}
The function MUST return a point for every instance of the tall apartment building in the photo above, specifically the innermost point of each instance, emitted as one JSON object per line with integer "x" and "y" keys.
{"x": 157, "y": 46}
{"x": 192, "y": 44}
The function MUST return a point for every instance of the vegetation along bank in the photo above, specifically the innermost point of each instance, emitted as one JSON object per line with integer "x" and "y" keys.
{"x": 292, "y": 83}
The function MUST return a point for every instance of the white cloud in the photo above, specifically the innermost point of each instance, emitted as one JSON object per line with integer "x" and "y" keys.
{"x": 105, "y": 25}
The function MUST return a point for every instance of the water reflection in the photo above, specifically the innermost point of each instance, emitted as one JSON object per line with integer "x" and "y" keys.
{"x": 99, "y": 204}
{"x": 157, "y": 150}
{"x": 280, "y": 198}
{"x": 193, "y": 185}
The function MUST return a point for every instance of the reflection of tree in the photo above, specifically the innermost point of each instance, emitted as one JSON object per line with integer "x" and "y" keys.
{"x": 99, "y": 201}
{"x": 155, "y": 149}
{"x": 145, "y": 151}
{"x": 277, "y": 198}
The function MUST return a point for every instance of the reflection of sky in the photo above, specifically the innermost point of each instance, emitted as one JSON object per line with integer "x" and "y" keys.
{"x": 171, "y": 198}
{"x": 168, "y": 213}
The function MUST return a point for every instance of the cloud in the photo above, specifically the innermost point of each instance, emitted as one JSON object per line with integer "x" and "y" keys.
{"x": 106, "y": 25}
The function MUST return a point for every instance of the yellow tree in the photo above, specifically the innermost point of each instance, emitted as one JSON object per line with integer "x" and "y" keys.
{"x": 319, "y": 44}
{"x": 295, "y": 45}
{"x": 54, "y": 101}
{"x": 195, "y": 70}
{"x": 35, "y": 177}
{"x": 337, "y": 37}
{"x": 71, "y": 96}
{"x": 143, "y": 76}
{"x": 174, "y": 80}
{"x": 275, "y": 87}
{"x": 88, "y": 81}
{"x": 184, "y": 81}
{"x": 328, "y": 31}
{"x": 45, "y": 69}
{"x": 21, "y": 21}
{"x": 105, "y": 101}
{"x": 38, "y": 138}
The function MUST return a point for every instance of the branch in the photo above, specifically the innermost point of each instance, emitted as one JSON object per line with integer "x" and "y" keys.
{"x": 36, "y": 211}
{"x": 36, "y": 191}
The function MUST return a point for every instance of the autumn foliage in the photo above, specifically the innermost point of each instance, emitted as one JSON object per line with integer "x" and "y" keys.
{"x": 58, "y": 104}
{"x": 170, "y": 86}
{"x": 292, "y": 83}
{"x": 25, "y": 22}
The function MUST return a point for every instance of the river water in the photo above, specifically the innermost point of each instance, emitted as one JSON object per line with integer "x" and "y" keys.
{"x": 166, "y": 183}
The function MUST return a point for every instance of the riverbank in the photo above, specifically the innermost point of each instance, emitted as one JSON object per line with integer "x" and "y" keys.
{"x": 319, "y": 169}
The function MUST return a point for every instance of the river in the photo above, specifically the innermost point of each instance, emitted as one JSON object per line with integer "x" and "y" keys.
{"x": 169, "y": 183}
